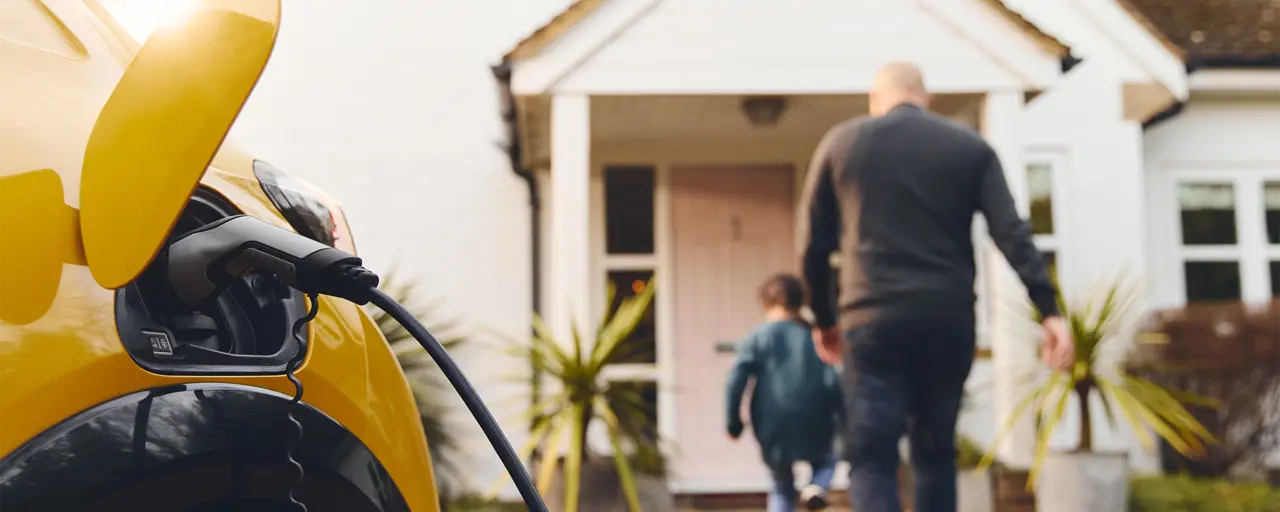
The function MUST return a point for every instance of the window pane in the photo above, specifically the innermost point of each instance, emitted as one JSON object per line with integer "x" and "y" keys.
{"x": 1275, "y": 279}
{"x": 1271, "y": 200}
{"x": 1208, "y": 213}
{"x": 1040, "y": 186}
{"x": 1212, "y": 281}
{"x": 628, "y": 210}
{"x": 641, "y": 346}
{"x": 636, "y": 402}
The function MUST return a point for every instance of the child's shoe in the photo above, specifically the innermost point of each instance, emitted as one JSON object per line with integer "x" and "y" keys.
{"x": 813, "y": 498}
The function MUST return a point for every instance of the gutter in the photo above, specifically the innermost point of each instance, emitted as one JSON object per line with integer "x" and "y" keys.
{"x": 514, "y": 148}
{"x": 1069, "y": 62}
{"x": 1168, "y": 113}
{"x": 1233, "y": 62}
{"x": 1173, "y": 110}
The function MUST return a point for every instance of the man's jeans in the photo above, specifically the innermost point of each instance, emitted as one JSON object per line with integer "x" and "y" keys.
{"x": 905, "y": 377}
{"x": 782, "y": 498}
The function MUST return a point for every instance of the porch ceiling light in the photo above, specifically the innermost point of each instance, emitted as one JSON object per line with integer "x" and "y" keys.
{"x": 764, "y": 110}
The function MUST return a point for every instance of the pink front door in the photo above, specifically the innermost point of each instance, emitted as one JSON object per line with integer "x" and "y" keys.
{"x": 732, "y": 228}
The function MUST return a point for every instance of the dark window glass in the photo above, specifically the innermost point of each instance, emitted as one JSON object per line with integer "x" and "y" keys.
{"x": 636, "y": 402}
{"x": 628, "y": 210}
{"x": 1209, "y": 281}
{"x": 1040, "y": 187}
{"x": 1275, "y": 279}
{"x": 641, "y": 346}
{"x": 1208, "y": 213}
{"x": 1271, "y": 201}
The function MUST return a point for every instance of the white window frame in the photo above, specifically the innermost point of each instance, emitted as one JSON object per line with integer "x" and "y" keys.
{"x": 1054, "y": 242}
{"x": 655, "y": 262}
{"x": 1251, "y": 251}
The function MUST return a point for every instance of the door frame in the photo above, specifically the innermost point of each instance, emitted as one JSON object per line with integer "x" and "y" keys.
{"x": 662, "y": 262}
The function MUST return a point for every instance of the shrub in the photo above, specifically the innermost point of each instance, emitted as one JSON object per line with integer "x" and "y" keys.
{"x": 1229, "y": 353}
{"x": 1186, "y": 494}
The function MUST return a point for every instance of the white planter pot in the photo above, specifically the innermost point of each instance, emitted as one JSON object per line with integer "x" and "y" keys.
{"x": 1083, "y": 482}
{"x": 973, "y": 491}
{"x": 600, "y": 490}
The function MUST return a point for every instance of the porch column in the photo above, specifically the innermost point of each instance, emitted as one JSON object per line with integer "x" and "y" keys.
{"x": 1013, "y": 354}
{"x": 569, "y": 240}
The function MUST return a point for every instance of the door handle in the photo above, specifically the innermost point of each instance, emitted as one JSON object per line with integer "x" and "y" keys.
{"x": 726, "y": 347}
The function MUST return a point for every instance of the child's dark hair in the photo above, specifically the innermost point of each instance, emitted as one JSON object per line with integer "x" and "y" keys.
{"x": 784, "y": 290}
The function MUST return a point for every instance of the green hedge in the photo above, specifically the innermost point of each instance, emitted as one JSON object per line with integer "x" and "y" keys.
{"x": 1185, "y": 494}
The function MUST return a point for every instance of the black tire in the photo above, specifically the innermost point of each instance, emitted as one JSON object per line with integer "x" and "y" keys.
{"x": 244, "y": 506}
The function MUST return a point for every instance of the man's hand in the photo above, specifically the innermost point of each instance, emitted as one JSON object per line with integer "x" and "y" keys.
{"x": 827, "y": 342}
{"x": 1058, "y": 350}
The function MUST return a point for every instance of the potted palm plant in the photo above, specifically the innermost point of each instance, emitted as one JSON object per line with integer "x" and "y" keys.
{"x": 1084, "y": 480}
{"x": 430, "y": 388}
{"x": 579, "y": 395}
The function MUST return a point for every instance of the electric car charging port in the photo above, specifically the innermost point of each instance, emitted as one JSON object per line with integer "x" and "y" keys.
{"x": 245, "y": 330}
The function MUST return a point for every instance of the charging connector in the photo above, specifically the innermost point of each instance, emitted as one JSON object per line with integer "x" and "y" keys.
{"x": 203, "y": 262}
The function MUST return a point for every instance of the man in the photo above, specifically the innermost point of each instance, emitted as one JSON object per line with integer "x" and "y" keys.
{"x": 895, "y": 193}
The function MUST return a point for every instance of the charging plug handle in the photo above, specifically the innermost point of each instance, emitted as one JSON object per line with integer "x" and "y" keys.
{"x": 204, "y": 262}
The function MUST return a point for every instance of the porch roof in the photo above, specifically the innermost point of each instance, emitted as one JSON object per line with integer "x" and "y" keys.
{"x": 658, "y": 47}
{"x": 566, "y": 19}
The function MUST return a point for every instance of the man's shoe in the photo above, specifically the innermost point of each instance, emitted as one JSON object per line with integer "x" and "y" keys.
{"x": 813, "y": 498}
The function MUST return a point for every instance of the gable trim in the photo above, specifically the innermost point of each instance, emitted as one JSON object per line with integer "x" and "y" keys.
{"x": 1032, "y": 71}
{"x": 533, "y": 46}
{"x": 540, "y": 70}
{"x": 562, "y": 22}
{"x": 1046, "y": 42}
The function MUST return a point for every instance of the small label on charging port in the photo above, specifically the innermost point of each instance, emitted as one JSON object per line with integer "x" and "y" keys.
{"x": 161, "y": 344}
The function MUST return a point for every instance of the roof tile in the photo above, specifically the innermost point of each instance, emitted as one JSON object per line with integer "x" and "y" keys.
{"x": 1216, "y": 29}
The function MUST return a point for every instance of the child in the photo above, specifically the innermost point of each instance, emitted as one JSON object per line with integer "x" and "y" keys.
{"x": 796, "y": 402}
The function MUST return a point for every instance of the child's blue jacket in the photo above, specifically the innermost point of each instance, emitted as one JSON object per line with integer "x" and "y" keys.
{"x": 796, "y": 403}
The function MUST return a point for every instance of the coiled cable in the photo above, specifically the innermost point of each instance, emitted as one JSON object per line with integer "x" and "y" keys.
{"x": 294, "y": 363}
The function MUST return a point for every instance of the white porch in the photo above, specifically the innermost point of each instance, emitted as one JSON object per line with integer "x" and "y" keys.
{"x": 645, "y": 87}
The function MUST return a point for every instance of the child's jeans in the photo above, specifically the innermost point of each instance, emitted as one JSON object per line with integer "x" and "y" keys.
{"x": 783, "y": 496}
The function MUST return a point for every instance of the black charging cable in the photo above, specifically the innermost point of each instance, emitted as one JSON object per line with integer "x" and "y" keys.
{"x": 292, "y": 366}
{"x": 208, "y": 259}
{"x": 469, "y": 397}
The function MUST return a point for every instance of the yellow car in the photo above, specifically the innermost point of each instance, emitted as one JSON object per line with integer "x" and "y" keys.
{"x": 114, "y": 395}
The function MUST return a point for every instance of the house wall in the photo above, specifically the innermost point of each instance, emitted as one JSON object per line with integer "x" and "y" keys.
{"x": 1099, "y": 228}
{"x": 391, "y": 108}
{"x": 1216, "y": 137}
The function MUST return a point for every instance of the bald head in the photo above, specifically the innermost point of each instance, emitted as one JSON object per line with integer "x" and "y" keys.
{"x": 897, "y": 83}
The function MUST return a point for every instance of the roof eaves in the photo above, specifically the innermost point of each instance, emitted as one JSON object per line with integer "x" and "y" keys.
{"x": 551, "y": 30}
{"x": 1046, "y": 42}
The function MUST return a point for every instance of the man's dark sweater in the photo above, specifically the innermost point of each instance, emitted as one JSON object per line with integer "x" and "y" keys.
{"x": 896, "y": 196}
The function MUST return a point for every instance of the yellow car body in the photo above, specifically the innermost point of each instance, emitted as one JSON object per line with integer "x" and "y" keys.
{"x": 102, "y": 142}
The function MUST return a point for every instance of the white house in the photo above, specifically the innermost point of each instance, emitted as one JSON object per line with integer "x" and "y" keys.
{"x": 668, "y": 137}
